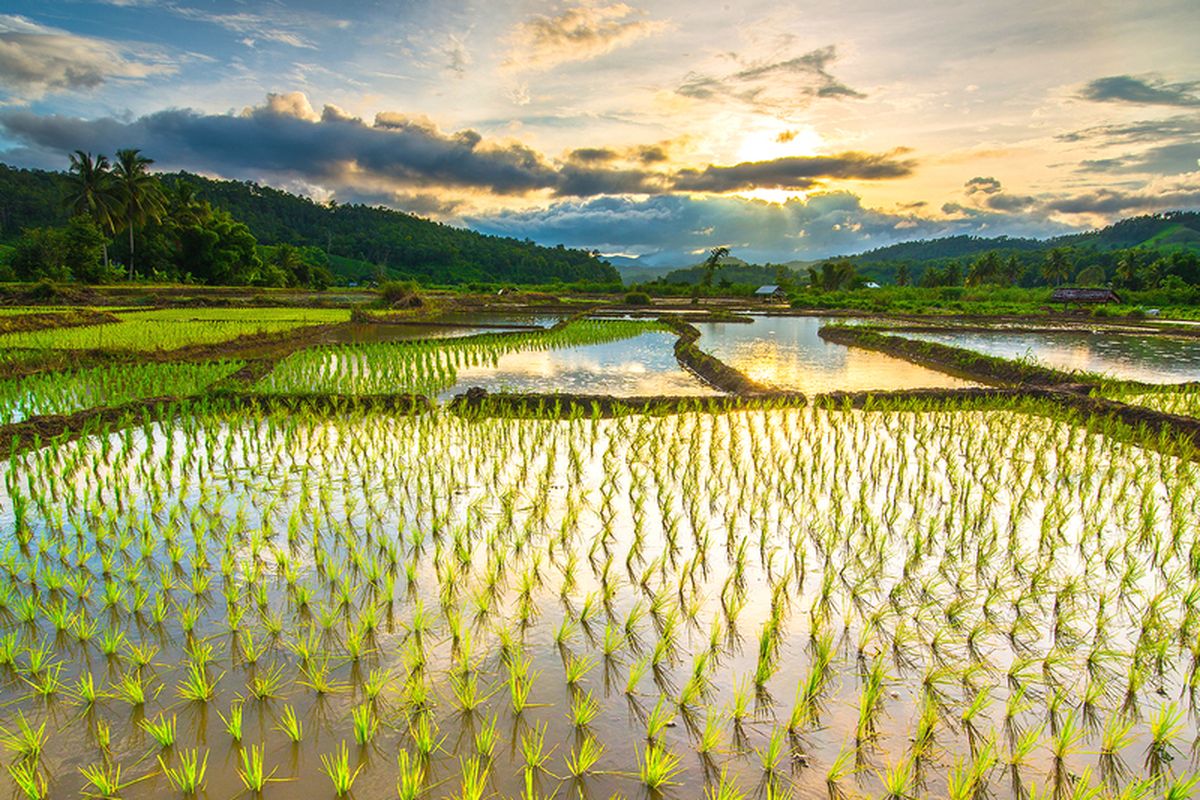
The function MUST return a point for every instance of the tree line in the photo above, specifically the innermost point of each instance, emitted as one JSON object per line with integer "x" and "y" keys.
{"x": 104, "y": 221}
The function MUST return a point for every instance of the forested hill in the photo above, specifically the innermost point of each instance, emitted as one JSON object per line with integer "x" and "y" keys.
{"x": 404, "y": 245}
{"x": 1170, "y": 230}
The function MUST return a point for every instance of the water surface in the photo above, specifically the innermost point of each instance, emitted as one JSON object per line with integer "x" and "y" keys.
{"x": 786, "y": 352}
{"x": 1150, "y": 359}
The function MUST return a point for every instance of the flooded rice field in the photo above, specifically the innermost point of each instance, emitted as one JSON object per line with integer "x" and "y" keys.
{"x": 1148, "y": 359}
{"x": 787, "y": 353}
{"x": 786, "y": 603}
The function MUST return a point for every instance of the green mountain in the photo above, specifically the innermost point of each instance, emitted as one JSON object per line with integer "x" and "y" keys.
{"x": 360, "y": 241}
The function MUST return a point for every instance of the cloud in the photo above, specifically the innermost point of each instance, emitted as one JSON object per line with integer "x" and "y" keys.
{"x": 783, "y": 85}
{"x": 669, "y": 229}
{"x": 982, "y": 185}
{"x": 1170, "y": 146}
{"x": 1176, "y": 192}
{"x": 987, "y": 195}
{"x": 1182, "y": 126}
{"x": 36, "y": 60}
{"x": 280, "y": 29}
{"x": 795, "y": 172}
{"x": 1149, "y": 90}
{"x": 1169, "y": 159}
{"x": 286, "y": 139}
{"x": 578, "y": 34}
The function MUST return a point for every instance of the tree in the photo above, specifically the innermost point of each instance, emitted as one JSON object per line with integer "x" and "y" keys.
{"x": 985, "y": 269}
{"x": 833, "y": 275}
{"x": 1056, "y": 269}
{"x": 92, "y": 193}
{"x": 40, "y": 253}
{"x": 902, "y": 275}
{"x": 1090, "y": 276}
{"x": 83, "y": 245}
{"x": 140, "y": 194}
{"x": 711, "y": 263}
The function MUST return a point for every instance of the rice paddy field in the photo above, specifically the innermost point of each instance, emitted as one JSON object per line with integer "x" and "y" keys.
{"x": 247, "y": 594}
{"x": 168, "y": 329}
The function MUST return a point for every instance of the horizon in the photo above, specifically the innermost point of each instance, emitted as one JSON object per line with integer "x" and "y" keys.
{"x": 654, "y": 131}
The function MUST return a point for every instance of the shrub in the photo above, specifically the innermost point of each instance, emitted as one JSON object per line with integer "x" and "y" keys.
{"x": 400, "y": 294}
{"x": 637, "y": 299}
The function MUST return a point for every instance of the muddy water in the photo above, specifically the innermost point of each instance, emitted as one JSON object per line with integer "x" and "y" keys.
{"x": 909, "y": 542}
{"x": 786, "y": 352}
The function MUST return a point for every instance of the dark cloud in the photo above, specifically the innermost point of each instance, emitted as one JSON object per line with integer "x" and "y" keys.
{"x": 286, "y": 141}
{"x": 982, "y": 185}
{"x": 35, "y": 59}
{"x": 796, "y": 172}
{"x": 1149, "y": 90}
{"x": 671, "y": 229}
{"x": 592, "y": 155}
{"x": 1170, "y": 159}
{"x": 1182, "y": 126}
{"x": 781, "y": 85}
{"x": 1183, "y": 193}
{"x": 988, "y": 195}
{"x": 286, "y": 138}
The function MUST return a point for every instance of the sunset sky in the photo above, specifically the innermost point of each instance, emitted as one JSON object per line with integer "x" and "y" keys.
{"x": 657, "y": 129}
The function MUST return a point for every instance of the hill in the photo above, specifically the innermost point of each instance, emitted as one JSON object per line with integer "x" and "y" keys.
{"x": 360, "y": 241}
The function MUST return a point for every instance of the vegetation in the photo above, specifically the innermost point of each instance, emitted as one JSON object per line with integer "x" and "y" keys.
{"x": 425, "y": 366}
{"x": 168, "y": 329}
{"x": 185, "y": 227}
{"x": 426, "y": 584}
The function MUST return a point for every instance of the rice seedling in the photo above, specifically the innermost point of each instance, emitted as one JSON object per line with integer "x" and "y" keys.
{"x": 161, "y": 731}
{"x": 365, "y": 723}
{"x": 290, "y": 725}
{"x": 233, "y": 723}
{"x": 252, "y": 770}
{"x": 28, "y": 780}
{"x": 658, "y": 767}
{"x": 584, "y": 758}
{"x": 336, "y": 766}
{"x": 188, "y": 777}
{"x": 410, "y": 783}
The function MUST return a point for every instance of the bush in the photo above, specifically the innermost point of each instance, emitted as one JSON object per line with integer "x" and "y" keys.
{"x": 637, "y": 299}
{"x": 400, "y": 294}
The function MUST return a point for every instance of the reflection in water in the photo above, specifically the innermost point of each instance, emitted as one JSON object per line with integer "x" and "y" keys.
{"x": 1150, "y": 359}
{"x": 639, "y": 366}
{"x": 786, "y": 352}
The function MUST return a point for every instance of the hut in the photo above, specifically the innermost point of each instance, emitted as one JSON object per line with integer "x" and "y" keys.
{"x": 769, "y": 292}
{"x": 1074, "y": 295}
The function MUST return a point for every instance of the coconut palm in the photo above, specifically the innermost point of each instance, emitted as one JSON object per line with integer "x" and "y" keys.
{"x": 93, "y": 193}
{"x": 140, "y": 193}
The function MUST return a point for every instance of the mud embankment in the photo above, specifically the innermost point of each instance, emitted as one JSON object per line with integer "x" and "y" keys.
{"x": 712, "y": 371}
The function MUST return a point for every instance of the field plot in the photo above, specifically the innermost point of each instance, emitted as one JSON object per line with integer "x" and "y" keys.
{"x": 434, "y": 368}
{"x": 67, "y": 392}
{"x": 1150, "y": 359}
{"x": 787, "y": 353}
{"x": 167, "y": 329}
{"x": 773, "y": 603}
{"x": 1185, "y": 401}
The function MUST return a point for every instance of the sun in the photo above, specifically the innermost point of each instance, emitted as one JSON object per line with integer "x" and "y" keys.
{"x": 769, "y": 141}
{"x": 766, "y": 142}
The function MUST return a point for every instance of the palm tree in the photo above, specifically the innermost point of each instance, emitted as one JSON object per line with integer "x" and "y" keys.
{"x": 141, "y": 194}
{"x": 1057, "y": 267}
{"x": 712, "y": 262}
{"x": 93, "y": 194}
